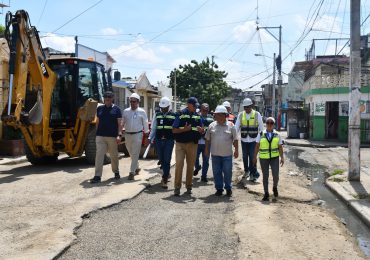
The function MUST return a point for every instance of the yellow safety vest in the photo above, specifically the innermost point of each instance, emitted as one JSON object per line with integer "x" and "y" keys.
{"x": 249, "y": 127}
{"x": 269, "y": 149}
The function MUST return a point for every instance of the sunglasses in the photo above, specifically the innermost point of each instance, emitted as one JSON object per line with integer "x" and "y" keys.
{"x": 269, "y": 123}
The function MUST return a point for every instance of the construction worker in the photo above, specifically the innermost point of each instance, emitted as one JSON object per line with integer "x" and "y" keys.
{"x": 222, "y": 136}
{"x": 108, "y": 135}
{"x": 249, "y": 123}
{"x": 135, "y": 122}
{"x": 187, "y": 130}
{"x": 162, "y": 134}
{"x": 206, "y": 119}
{"x": 230, "y": 116}
{"x": 270, "y": 147}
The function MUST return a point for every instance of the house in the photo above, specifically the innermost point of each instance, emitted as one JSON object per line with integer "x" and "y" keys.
{"x": 325, "y": 90}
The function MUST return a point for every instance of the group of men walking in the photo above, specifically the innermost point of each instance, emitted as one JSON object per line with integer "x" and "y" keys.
{"x": 195, "y": 135}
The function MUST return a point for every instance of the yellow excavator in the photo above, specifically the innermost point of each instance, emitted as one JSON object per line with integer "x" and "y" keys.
{"x": 52, "y": 101}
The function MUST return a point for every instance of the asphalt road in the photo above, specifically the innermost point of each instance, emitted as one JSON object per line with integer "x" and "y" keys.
{"x": 157, "y": 225}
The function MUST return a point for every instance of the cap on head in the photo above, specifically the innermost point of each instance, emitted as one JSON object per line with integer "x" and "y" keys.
{"x": 134, "y": 95}
{"x": 164, "y": 102}
{"x": 193, "y": 101}
{"x": 226, "y": 104}
{"x": 108, "y": 94}
{"x": 247, "y": 102}
{"x": 221, "y": 109}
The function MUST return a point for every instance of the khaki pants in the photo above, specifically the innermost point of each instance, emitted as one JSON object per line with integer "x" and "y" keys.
{"x": 133, "y": 145}
{"x": 106, "y": 144}
{"x": 184, "y": 151}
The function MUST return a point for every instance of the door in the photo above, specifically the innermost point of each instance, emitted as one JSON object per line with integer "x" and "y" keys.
{"x": 331, "y": 120}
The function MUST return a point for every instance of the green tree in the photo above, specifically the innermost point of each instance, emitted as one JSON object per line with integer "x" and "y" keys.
{"x": 201, "y": 80}
{"x": 2, "y": 30}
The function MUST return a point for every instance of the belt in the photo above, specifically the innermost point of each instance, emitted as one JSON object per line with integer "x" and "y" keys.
{"x": 132, "y": 133}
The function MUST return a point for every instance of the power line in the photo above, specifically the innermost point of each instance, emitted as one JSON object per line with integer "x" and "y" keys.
{"x": 42, "y": 12}
{"x": 70, "y": 20}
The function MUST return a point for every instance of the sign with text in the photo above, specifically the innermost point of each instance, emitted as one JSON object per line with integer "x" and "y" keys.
{"x": 319, "y": 109}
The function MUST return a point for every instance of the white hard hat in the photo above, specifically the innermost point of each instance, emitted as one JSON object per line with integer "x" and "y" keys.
{"x": 221, "y": 109}
{"x": 226, "y": 104}
{"x": 165, "y": 102}
{"x": 247, "y": 102}
{"x": 134, "y": 95}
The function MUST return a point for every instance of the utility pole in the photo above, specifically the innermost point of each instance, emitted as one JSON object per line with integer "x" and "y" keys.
{"x": 354, "y": 119}
{"x": 175, "y": 92}
{"x": 273, "y": 86}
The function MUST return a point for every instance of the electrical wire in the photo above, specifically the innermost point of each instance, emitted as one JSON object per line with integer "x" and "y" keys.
{"x": 42, "y": 12}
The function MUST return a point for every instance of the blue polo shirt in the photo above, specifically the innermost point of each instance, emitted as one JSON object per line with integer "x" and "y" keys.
{"x": 108, "y": 125}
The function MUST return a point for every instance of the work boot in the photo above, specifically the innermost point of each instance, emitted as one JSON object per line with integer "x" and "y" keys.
{"x": 131, "y": 176}
{"x": 96, "y": 179}
{"x": 196, "y": 171}
{"x": 176, "y": 192}
{"x": 137, "y": 171}
{"x": 219, "y": 192}
{"x": 188, "y": 191}
{"x": 229, "y": 193}
{"x": 266, "y": 197}
{"x": 204, "y": 179}
{"x": 164, "y": 184}
{"x": 117, "y": 176}
{"x": 276, "y": 193}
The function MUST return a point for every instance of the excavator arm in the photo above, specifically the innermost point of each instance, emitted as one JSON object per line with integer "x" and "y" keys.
{"x": 28, "y": 70}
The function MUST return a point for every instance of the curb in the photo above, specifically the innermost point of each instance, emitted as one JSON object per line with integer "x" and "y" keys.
{"x": 345, "y": 145}
{"x": 351, "y": 204}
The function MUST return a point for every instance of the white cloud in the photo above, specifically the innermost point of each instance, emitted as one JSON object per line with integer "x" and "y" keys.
{"x": 165, "y": 49}
{"x": 325, "y": 23}
{"x": 135, "y": 51}
{"x": 60, "y": 43}
{"x": 180, "y": 61}
{"x": 157, "y": 75}
{"x": 247, "y": 31}
{"x": 110, "y": 31}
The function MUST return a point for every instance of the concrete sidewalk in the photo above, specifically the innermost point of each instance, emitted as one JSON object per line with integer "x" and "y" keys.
{"x": 356, "y": 194}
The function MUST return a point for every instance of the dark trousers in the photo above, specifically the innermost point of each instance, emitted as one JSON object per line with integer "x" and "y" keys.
{"x": 265, "y": 166}
{"x": 164, "y": 150}
{"x": 205, "y": 160}
{"x": 248, "y": 154}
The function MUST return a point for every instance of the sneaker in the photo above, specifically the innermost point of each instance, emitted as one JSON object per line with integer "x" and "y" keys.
{"x": 96, "y": 179}
{"x": 276, "y": 193}
{"x": 246, "y": 175}
{"x": 176, "y": 192}
{"x": 229, "y": 193}
{"x": 164, "y": 184}
{"x": 117, "y": 176}
{"x": 188, "y": 191}
{"x": 252, "y": 179}
{"x": 159, "y": 163}
{"x": 137, "y": 171}
{"x": 131, "y": 177}
{"x": 204, "y": 179}
{"x": 219, "y": 192}
{"x": 266, "y": 197}
{"x": 196, "y": 171}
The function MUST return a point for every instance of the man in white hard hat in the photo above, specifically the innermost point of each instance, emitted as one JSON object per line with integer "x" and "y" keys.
{"x": 249, "y": 123}
{"x": 135, "y": 122}
{"x": 222, "y": 136}
{"x": 161, "y": 134}
{"x": 230, "y": 116}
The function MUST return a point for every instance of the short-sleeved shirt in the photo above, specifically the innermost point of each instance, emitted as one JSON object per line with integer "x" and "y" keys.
{"x": 108, "y": 120}
{"x": 135, "y": 120}
{"x": 221, "y": 138}
{"x": 268, "y": 135}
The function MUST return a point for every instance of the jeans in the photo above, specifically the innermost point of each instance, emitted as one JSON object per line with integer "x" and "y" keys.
{"x": 248, "y": 154}
{"x": 222, "y": 171}
{"x": 205, "y": 160}
{"x": 164, "y": 149}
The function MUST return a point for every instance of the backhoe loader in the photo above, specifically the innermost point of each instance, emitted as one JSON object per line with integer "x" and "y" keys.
{"x": 52, "y": 101}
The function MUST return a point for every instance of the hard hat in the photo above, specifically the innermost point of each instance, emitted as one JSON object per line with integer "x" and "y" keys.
{"x": 165, "y": 102}
{"x": 247, "y": 102}
{"x": 134, "y": 95}
{"x": 221, "y": 109}
{"x": 226, "y": 104}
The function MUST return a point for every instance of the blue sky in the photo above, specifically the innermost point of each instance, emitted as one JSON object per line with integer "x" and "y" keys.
{"x": 157, "y": 36}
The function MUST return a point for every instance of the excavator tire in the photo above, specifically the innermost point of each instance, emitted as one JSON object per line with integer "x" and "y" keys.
{"x": 90, "y": 147}
{"x": 44, "y": 160}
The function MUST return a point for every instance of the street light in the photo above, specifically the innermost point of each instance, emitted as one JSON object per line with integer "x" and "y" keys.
{"x": 273, "y": 80}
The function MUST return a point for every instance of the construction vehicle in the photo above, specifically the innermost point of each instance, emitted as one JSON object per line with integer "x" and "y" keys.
{"x": 52, "y": 101}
